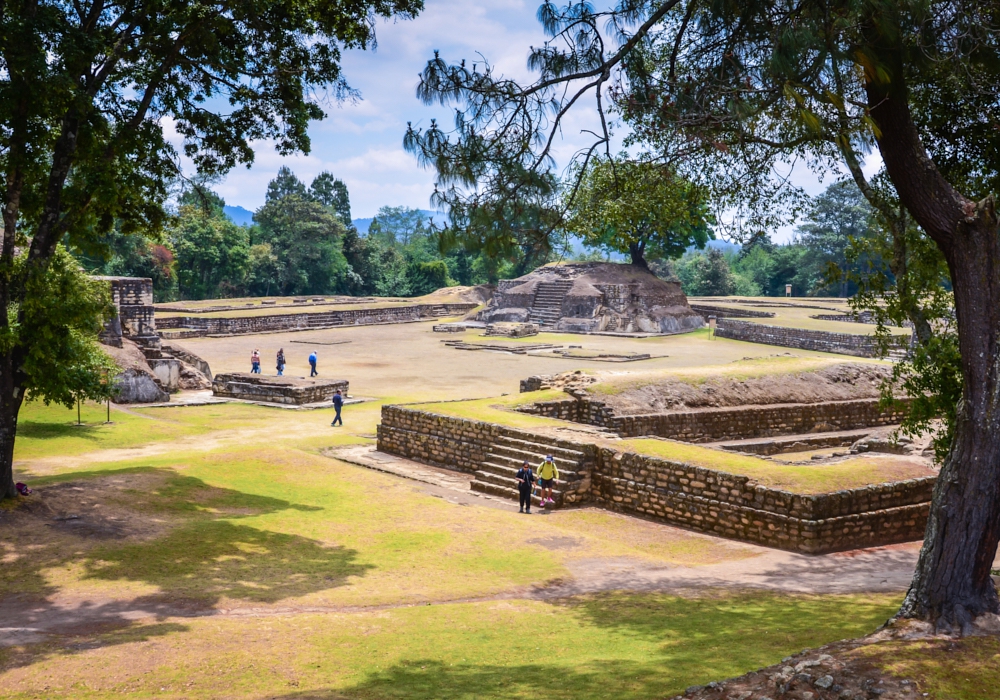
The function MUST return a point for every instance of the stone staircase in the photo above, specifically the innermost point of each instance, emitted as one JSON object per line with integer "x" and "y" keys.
{"x": 497, "y": 473}
{"x": 546, "y": 308}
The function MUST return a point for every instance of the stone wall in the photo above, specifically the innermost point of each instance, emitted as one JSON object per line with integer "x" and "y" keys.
{"x": 803, "y": 339}
{"x": 707, "y": 310}
{"x": 704, "y": 500}
{"x": 324, "y": 319}
{"x": 459, "y": 443}
{"x": 717, "y": 424}
{"x": 737, "y": 507}
{"x": 284, "y": 390}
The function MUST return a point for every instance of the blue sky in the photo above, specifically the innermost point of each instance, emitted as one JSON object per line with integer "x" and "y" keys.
{"x": 361, "y": 143}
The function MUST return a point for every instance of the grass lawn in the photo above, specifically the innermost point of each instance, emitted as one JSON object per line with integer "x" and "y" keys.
{"x": 800, "y": 478}
{"x": 613, "y": 645}
{"x": 212, "y": 551}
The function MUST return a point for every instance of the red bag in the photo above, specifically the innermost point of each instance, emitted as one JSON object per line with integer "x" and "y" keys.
{"x": 23, "y": 489}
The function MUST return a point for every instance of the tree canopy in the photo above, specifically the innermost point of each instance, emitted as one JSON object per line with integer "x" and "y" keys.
{"x": 639, "y": 208}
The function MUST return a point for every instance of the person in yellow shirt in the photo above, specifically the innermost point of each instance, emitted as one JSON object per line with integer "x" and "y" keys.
{"x": 547, "y": 475}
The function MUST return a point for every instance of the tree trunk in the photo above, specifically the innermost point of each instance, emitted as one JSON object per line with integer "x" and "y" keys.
{"x": 636, "y": 250}
{"x": 11, "y": 397}
{"x": 952, "y": 583}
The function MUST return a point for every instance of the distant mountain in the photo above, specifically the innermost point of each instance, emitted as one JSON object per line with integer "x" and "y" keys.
{"x": 239, "y": 215}
{"x": 437, "y": 217}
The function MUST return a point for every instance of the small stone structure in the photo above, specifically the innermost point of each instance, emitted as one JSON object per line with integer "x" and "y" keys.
{"x": 135, "y": 323}
{"x": 719, "y": 424}
{"x": 284, "y": 390}
{"x": 512, "y": 330}
{"x": 705, "y": 500}
{"x": 193, "y": 326}
{"x": 593, "y": 297}
{"x": 803, "y": 339}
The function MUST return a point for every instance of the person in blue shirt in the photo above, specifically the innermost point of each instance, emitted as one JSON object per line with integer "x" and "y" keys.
{"x": 338, "y": 403}
{"x": 525, "y": 484}
{"x": 312, "y": 364}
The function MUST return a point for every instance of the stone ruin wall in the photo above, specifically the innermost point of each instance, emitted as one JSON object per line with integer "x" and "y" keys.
{"x": 803, "y": 339}
{"x": 283, "y": 390}
{"x": 195, "y": 326}
{"x": 718, "y": 424}
{"x": 677, "y": 493}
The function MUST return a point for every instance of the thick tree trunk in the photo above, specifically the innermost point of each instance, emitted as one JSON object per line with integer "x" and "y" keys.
{"x": 636, "y": 251}
{"x": 952, "y": 583}
{"x": 11, "y": 398}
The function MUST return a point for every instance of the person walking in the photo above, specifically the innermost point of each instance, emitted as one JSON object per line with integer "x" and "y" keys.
{"x": 338, "y": 403}
{"x": 313, "y": 358}
{"x": 255, "y": 361}
{"x": 525, "y": 484}
{"x": 280, "y": 362}
{"x": 548, "y": 472}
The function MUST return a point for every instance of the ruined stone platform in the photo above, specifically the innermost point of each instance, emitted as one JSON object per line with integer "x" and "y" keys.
{"x": 284, "y": 390}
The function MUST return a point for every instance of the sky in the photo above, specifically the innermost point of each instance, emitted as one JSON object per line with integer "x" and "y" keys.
{"x": 361, "y": 142}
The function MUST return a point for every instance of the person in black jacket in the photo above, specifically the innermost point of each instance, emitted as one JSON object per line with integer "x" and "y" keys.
{"x": 338, "y": 403}
{"x": 525, "y": 483}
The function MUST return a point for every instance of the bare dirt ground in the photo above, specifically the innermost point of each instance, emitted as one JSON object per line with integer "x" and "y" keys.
{"x": 410, "y": 362}
{"x": 838, "y": 382}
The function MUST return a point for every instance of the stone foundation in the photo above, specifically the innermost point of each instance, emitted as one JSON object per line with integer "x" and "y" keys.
{"x": 704, "y": 500}
{"x": 718, "y": 424}
{"x": 821, "y": 341}
{"x": 195, "y": 325}
{"x": 284, "y": 390}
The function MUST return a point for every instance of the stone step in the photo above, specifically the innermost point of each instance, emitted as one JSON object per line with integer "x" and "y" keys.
{"x": 503, "y": 471}
{"x": 509, "y": 455}
{"x": 540, "y": 448}
{"x": 510, "y": 481}
{"x": 511, "y": 493}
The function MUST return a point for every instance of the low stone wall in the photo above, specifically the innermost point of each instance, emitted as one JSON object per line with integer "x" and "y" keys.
{"x": 707, "y": 310}
{"x": 306, "y": 321}
{"x": 700, "y": 499}
{"x": 803, "y": 339}
{"x": 284, "y": 390}
{"x": 736, "y": 507}
{"x": 717, "y": 424}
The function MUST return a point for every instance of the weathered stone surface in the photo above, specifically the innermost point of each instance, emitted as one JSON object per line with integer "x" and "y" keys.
{"x": 705, "y": 500}
{"x": 592, "y": 297}
{"x": 136, "y": 386}
{"x": 803, "y": 339}
{"x": 192, "y": 326}
{"x": 286, "y": 390}
{"x": 718, "y": 424}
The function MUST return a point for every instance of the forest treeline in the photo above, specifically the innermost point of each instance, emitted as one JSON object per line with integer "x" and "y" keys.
{"x": 302, "y": 242}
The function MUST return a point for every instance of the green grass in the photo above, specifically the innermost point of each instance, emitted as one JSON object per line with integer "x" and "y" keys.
{"x": 807, "y": 479}
{"x": 499, "y": 409}
{"x": 614, "y": 645}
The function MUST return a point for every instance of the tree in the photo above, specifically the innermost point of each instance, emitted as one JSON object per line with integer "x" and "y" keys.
{"x": 398, "y": 225}
{"x": 85, "y": 89}
{"x": 724, "y": 92}
{"x": 639, "y": 208}
{"x": 57, "y": 323}
{"x": 213, "y": 253}
{"x": 284, "y": 184}
{"x": 305, "y": 238}
{"x": 331, "y": 192}
{"x": 835, "y": 219}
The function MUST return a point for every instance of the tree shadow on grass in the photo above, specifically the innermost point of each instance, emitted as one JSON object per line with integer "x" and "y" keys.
{"x": 213, "y": 560}
{"x": 433, "y": 680}
{"x": 156, "y": 527}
